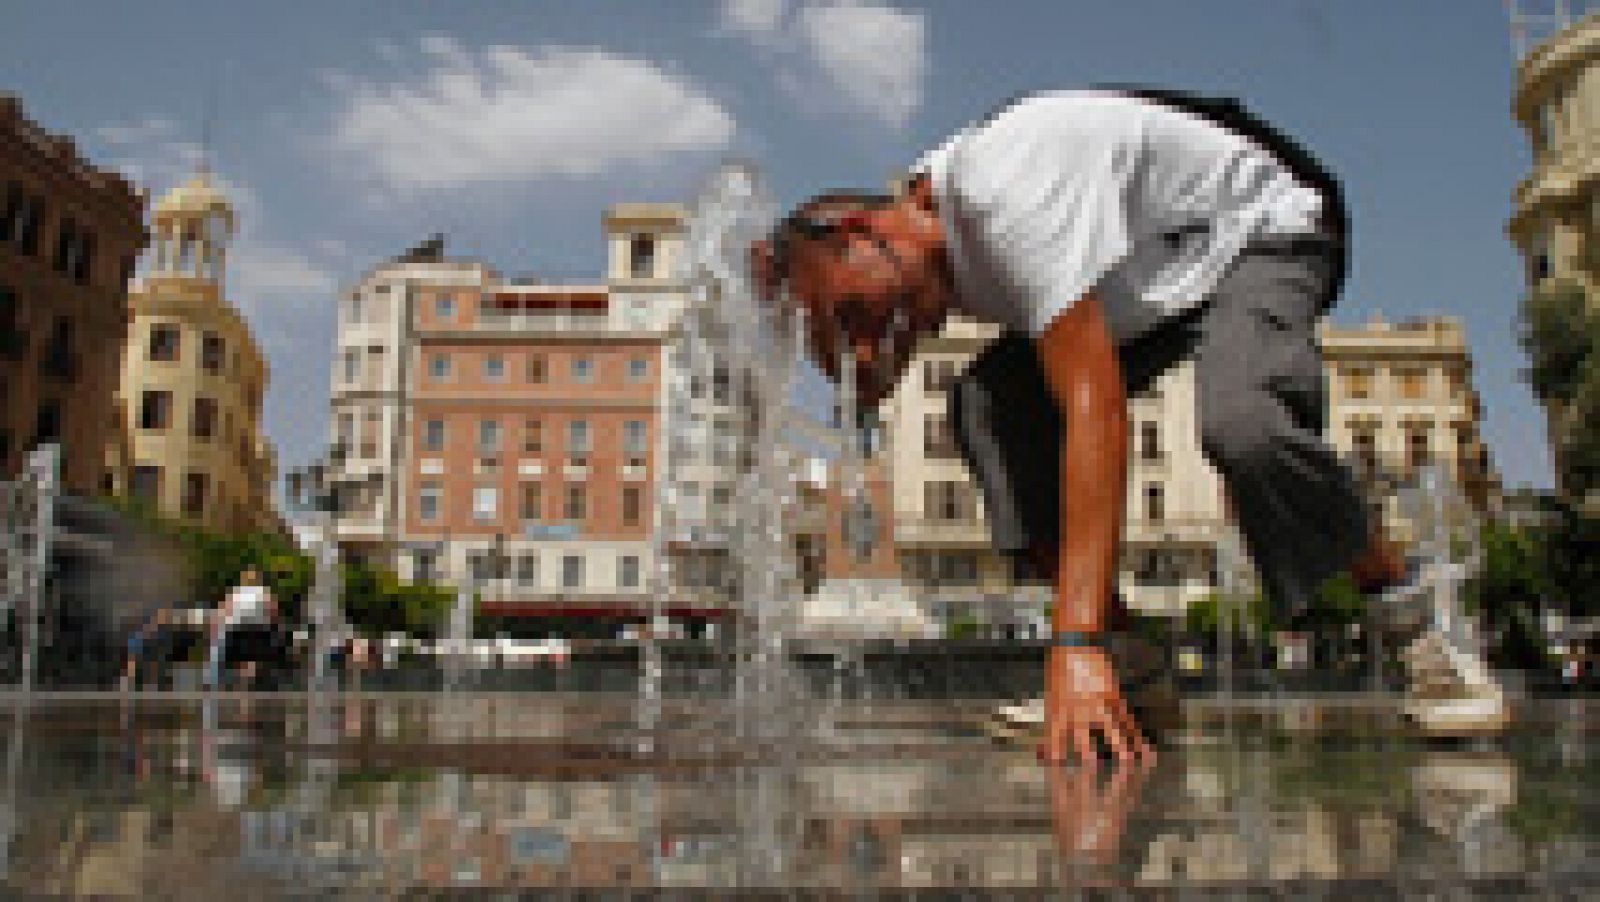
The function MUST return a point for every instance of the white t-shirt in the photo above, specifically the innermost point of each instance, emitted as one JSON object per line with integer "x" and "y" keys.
{"x": 1068, "y": 191}
{"x": 247, "y": 604}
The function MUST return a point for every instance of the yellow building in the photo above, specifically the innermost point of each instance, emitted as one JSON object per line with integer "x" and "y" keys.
{"x": 193, "y": 377}
{"x": 1400, "y": 397}
{"x": 1557, "y": 208}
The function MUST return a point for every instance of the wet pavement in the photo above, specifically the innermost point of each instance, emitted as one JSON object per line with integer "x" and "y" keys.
{"x": 193, "y": 796}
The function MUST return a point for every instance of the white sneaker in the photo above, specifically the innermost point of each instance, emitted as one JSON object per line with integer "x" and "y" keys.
{"x": 1452, "y": 691}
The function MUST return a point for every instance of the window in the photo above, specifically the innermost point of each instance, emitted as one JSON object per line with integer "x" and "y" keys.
{"x": 352, "y": 366}
{"x": 642, "y": 257}
{"x": 1413, "y": 382}
{"x": 488, "y": 436}
{"x": 354, "y": 316}
{"x": 164, "y": 341}
{"x": 572, "y": 571}
{"x": 344, "y": 435}
{"x": 424, "y": 567}
{"x": 31, "y": 219}
{"x": 721, "y": 386}
{"x": 13, "y": 343}
{"x": 213, "y": 350}
{"x": 1155, "y": 502}
{"x": 947, "y": 500}
{"x": 204, "y": 423}
{"x": 1358, "y": 381}
{"x": 155, "y": 410}
{"x": 1541, "y": 260}
{"x": 47, "y": 423}
{"x": 66, "y": 246}
{"x": 433, "y": 435}
{"x": 444, "y": 308}
{"x": 632, "y": 505}
{"x": 429, "y": 498}
{"x": 638, "y": 369}
{"x": 536, "y": 369}
{"x": 11, "y": 213}
{"x": 532, "y": 508}
{"x": 938, "y": 442}
{"x": 633, "y": 438}
{"x": 582, "y": 370}
{"x": 485, "y": 503}
{"x": 372, "y": 424}
{"x": 938, "y": 374}
{"x": 83, "y": 264}
{"x": 1418, "y": 451}
{"x": 1150, "y": 441}
{"x": 146, "y": 484}
{"x": 628, "y": 571}
{"x": 1364, "y": 447}
{"x": 578, "y": 440}
{"x": 439, "y": 367}
{"x": 528, "y": 570}
{"x": 375, "y": 363}
{"x": 532, "y": 436}
{"x": 575, "y": 504}
{"x": 494, "y": 368}
{"x": 194, "y": 494}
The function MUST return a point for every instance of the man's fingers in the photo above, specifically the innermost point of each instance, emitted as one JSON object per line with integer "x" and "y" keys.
{"x": 1142, "y": 747}
{"x": 1113, "y": 731}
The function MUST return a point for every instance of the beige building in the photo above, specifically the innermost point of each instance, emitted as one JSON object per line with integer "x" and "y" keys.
{"x": 1557, "y": 209}
{"x": 1173, "y": 509}
{"x": 193, "y": 378}
{"x": 1400, "y": 396}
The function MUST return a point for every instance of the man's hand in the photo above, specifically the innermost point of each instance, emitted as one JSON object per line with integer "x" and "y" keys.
{"x": 1082, "y": 698}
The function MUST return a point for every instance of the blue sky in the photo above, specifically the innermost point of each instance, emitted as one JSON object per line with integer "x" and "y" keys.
{"x": 350, "y": 130}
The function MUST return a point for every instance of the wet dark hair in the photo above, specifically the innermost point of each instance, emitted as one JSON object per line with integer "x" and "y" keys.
{"x": 811, "y": 222}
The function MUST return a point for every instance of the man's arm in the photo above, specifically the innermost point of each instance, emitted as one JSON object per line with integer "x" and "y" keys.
{"x": 1081, "y": 366}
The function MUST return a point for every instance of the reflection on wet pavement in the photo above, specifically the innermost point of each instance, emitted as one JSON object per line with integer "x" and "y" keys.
{"x": 178, "y": 797}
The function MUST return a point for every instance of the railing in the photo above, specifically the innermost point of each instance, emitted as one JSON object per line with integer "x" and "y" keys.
{"x": 1174, "y": 529}
{"x": 926, "y": 529}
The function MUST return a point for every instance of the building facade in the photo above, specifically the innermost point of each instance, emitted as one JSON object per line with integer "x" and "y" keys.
{"x": 505, "y": 434}
{"x": 193, "y": 377}
{"x": 1400, "y": 397}
{"x": 69, "y": 238}
{"x": 1555, "y": 224}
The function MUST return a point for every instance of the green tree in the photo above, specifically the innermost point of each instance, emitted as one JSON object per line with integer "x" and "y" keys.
{"x": 1560, "y": 333}
{"x": 1210, "y": 614}
{"x": 1509, "y": 591}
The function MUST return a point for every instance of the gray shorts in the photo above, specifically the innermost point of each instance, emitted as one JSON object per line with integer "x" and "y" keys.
{"x": 1261, "y": 409}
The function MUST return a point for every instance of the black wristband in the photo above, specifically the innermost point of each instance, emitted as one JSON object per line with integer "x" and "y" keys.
{"x": 1069, "y": 639}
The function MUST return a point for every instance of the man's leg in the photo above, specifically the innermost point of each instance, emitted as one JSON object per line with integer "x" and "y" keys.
{"x": 1262, "y": 408}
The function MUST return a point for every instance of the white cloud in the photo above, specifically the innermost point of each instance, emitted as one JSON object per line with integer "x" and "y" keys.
{"x": 757, "y": 18}
{"x": 503, "y": 114}
{"x": 871, "y": 56}
{"x": 875, "y": 55}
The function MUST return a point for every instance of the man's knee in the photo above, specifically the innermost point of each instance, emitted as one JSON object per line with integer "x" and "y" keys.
{"x": 1236, "y": 428}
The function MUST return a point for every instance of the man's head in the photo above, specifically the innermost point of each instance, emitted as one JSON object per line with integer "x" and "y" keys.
{"x": 860, "y": 264}
{"x": 250, "y": 577}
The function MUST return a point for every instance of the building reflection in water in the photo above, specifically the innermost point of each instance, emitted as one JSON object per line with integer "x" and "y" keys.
{"x": 225, "y": 802}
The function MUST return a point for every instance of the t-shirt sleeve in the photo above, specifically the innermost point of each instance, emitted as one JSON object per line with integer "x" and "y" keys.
{"x": 1041, "y": 194}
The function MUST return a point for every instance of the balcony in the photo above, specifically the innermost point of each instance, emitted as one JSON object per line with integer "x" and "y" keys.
{"x": 1175, "y": 530}
{"x": 927, "y": 531}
